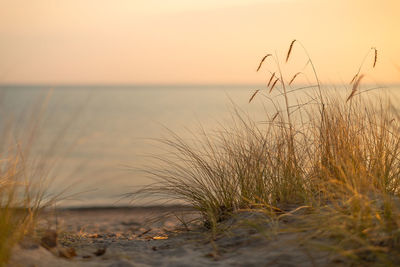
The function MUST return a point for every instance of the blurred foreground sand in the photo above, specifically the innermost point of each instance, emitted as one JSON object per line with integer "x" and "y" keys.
{"x": 155, "y": 236}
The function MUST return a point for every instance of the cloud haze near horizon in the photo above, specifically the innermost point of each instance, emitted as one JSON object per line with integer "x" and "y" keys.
{"x": 179, "y": 41}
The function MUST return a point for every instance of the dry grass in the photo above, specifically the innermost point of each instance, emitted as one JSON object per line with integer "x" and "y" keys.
{"x": 24, "y": 179}
{"x": 356, "y": 84}
{"x": 18, "y": 208}
{"x": 359, "y": 172}
{"x": 339, "y": 154}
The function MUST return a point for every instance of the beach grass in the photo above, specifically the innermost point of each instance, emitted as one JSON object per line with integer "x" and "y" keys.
{"x": 18, "y": 208}
{"x": 24, "y": 180}
{"x": 334, "y": 153}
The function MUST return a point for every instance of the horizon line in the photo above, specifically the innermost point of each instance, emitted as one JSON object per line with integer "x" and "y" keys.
{"x": 53, "y": 85}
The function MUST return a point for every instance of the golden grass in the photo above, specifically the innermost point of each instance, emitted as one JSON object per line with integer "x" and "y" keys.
{"x": 23, "y": 181}
{"x": 17, "y": 214}
{"x": 356, "y": 84}
{"x": 340, "y": 157}
{"x": 362, "y": 63}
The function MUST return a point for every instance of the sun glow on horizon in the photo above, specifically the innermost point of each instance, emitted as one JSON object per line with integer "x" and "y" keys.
{"x": 179, "y": 41}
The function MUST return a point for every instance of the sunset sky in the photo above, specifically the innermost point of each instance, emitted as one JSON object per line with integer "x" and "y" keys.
{"x": 191, "y": 41}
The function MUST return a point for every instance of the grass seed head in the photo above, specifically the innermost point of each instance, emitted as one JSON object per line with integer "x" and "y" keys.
{"x": 294, "y": 77}
{"x": 375, "y": 56}
{"x": 290, "y": 50}
{"x": 270, "y": 79}
{"x": 262, "y": 61}
{"x": 251, "y": 98}
{"x": 273, "y": 85}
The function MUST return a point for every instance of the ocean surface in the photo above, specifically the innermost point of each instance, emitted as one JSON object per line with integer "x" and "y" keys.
{"x": 103, "y": 135}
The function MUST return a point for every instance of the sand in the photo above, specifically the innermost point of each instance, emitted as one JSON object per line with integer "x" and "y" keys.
{"x": 154, "y": 236}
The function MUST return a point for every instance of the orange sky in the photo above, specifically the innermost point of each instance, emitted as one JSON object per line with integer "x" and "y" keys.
{"x": 191, "y": 41}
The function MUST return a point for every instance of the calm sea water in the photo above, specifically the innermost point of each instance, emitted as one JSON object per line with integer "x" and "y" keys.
{"x": 102, "y": 131}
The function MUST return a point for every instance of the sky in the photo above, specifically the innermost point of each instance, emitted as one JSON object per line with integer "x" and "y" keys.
{"x": 192, "y": 41}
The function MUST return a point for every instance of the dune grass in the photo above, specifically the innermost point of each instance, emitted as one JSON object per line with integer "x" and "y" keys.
{"x": 335, "y": 153}
{"x": 24, "y": 179}
{"x": 18, "y": 210}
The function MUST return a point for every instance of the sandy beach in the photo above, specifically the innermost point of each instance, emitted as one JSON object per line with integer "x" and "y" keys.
{"x": 154, "y": 236}
{"x": 199, "y": 133}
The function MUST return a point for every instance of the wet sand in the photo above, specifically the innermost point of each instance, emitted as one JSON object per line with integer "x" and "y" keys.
{"x": 156, "y": 236}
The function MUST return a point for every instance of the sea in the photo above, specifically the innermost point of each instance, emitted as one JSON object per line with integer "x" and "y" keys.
{"x": 98, "y": 138}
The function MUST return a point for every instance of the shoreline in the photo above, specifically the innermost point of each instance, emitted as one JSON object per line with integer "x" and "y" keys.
{"x": 125, "y": 207}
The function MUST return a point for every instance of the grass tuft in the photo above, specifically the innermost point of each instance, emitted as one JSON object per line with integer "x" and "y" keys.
{"x": 24, "y": 179}
{"x": 336, "y": 157}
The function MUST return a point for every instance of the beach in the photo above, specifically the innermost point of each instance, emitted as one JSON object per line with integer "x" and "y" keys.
{"x": 192, "y": 133}
{"x": 154, "y": 236}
